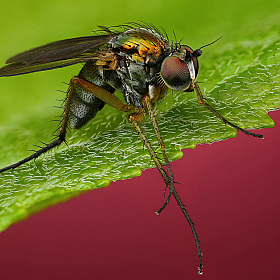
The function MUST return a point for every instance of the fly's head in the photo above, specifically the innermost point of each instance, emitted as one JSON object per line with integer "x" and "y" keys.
{"x": 179, "y": 70}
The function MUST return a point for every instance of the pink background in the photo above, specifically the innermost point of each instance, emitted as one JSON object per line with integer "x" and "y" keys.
{"x": 232, "y": 192}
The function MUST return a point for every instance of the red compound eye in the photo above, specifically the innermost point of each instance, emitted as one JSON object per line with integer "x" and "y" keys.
{"x": 175, "y": 73}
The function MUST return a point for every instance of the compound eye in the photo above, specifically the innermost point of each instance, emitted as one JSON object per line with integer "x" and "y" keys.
{"x": 175, "y": 73}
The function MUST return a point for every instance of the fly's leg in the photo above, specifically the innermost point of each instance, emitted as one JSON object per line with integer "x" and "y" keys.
{"x": 55, "y": 143}
{"x": 136, "y": 117}
{"x": 113, "y": 101}
{"x": 103, "y": 94}
{"x": 225, "y": 121}
{"x": 148, "y": 104}
{"x": 98, "y": 91}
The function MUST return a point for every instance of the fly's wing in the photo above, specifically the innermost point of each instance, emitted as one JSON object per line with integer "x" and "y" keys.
{"x": 54, "y": 55}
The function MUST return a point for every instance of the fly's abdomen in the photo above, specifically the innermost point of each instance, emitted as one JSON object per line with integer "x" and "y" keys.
{"x": 83, "y": 107}
{"x": 83, "y": 104}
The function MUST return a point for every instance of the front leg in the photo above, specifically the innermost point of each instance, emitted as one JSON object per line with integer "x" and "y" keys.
{"x": 225, "y": 121}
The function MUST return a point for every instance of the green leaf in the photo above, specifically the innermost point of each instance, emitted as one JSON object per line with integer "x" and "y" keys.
{"x": 240, "y": 80}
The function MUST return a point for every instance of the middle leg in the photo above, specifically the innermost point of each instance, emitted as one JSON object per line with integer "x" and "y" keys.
{"x": 168, "y": 178}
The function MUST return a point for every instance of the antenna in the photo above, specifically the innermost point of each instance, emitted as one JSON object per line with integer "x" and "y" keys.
{"x": 198, "y": 52}
{"x": 210, "y": 43}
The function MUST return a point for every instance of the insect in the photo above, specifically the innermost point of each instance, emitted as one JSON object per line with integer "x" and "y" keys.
{"x": 136, "y": 59}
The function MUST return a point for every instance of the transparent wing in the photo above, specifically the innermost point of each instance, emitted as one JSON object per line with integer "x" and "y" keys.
{"x": 54, "y": 55}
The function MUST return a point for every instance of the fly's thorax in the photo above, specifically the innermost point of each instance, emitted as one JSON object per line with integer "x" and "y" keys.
{"x": 143, "y": 45}
{"x": 138, "y": 81}
{"x": 140, "y": 53}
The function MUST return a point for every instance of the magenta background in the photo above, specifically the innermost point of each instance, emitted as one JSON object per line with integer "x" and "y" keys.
{"x": 232, "y": 192}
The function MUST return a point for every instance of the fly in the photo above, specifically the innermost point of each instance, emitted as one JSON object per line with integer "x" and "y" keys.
{"x": 136, "y": 59}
